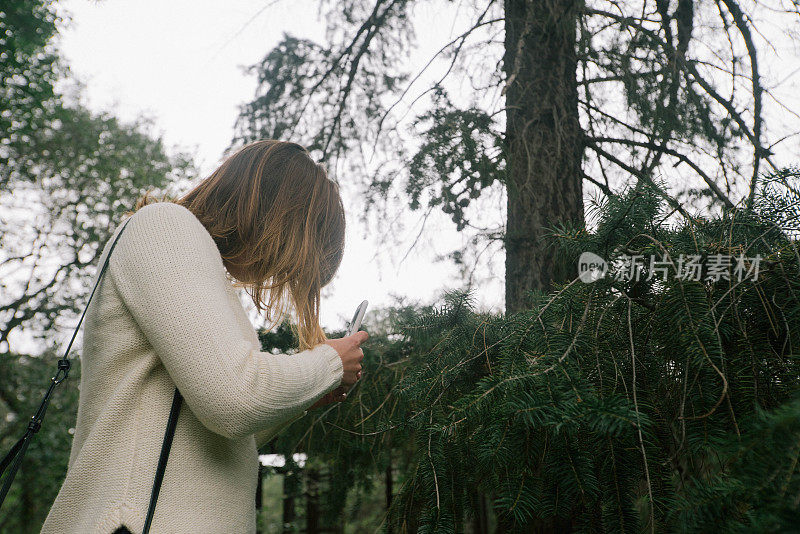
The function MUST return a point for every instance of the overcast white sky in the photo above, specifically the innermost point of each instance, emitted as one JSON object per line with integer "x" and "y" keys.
{"x": 180, "y": 60}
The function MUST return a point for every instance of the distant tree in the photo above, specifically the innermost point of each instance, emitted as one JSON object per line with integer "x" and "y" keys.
{"x": 30, "y": 66}
{"x": 69, "y": 174}
{"x": 53, "y": 229}
{"x": 42, "y": 471}
{"x": 565, "y": 94}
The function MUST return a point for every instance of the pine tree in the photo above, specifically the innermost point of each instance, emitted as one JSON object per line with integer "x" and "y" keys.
{"x": 538, "y": 101}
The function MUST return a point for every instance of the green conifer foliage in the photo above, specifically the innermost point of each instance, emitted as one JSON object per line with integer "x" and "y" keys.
{"x": 663, "y": 404}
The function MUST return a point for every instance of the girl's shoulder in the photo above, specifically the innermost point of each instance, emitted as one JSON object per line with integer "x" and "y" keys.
{"x": 167, "y": 235}
{"x": 165, "y": 211}
{"x": 167, "y": 221}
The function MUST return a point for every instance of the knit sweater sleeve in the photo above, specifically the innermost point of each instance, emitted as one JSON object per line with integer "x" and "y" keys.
{"x": 169, "y": 273}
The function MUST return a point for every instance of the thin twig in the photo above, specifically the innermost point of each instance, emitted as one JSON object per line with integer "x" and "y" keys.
{"x": 639, "y": 424}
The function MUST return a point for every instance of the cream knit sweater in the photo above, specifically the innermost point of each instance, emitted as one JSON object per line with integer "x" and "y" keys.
{"x": 166, "y": 314}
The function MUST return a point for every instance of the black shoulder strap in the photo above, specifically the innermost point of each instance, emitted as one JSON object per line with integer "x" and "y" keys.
{"x": 162, "y": 460}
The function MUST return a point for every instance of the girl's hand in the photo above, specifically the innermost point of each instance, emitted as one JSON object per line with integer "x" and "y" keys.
{"x": 349, "y": 349}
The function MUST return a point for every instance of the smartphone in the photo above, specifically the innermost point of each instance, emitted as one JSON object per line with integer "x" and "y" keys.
{"x": 355, "y": 324}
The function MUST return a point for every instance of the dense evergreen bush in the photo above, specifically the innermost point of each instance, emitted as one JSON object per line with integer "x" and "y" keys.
{"x": 660, "y": 404}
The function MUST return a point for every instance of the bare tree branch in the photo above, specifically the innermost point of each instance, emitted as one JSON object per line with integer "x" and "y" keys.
{"x": 661, "y": 148}
{"x": 744, "y": 30}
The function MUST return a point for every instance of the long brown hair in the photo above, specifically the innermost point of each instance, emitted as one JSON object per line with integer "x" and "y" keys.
{"x": 279, "y": 224}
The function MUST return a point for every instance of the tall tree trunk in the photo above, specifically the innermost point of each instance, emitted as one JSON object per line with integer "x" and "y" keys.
{"x": 388, "y": 476}
{"x": 28, "y": 506}
{"x": 291, "y": 485}
{"x": 480, "y": 518}
{"x": 312, "y": 501}
{"x": 259, "y": 495}
{"x": 544, "y": 141}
